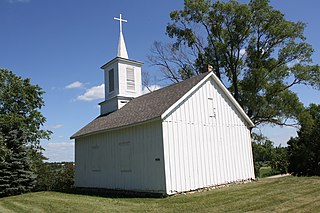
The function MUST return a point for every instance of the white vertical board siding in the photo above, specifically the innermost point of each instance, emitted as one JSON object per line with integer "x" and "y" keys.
{"x": 98, "y": 162}
{"x": 203, "y": 150}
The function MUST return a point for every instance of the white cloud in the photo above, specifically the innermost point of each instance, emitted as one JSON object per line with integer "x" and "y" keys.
{"x": 145, "y": 90}
{"x": 59, "y": 151}
{"x": 73, "y": 85}
{"x": 60, "y": 145}
{"x": 94, "y": 93}
{"x": 19, "y": 1}
{"x": 56, "y": 126}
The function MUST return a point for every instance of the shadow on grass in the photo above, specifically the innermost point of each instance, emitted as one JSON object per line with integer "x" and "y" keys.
{"x": 111, "y": 193}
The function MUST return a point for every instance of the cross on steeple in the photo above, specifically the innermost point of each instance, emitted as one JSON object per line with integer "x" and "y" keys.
{"x": 120, "y": 21}
{"x": 122, "y": 51}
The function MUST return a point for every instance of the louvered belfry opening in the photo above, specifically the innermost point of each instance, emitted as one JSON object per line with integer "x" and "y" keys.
{"x": 130, "y": 79}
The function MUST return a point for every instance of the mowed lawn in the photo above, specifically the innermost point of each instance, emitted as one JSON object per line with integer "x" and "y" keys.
{"x": 285, "y": 194}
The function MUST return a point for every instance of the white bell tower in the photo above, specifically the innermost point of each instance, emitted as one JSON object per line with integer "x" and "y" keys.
{"x": 122, "y": 78}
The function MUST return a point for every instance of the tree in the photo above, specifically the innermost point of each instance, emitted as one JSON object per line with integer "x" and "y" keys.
{"x": 266, "y": 154}
{"x": 15, "y": 169}
{"x": 279, "y": 163}
{"x": 304, "y": 150}
{"x": 4, "y": 151}
{"x": 262, "y": 152}
{"x": 20, "y": 133}
{"x": 176, "y": 63}
{"x": 254, "y": 50}
{"x": 20, "y": 102}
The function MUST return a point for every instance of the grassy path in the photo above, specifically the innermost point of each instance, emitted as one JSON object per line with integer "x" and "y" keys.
{"x": 286, "y": 194}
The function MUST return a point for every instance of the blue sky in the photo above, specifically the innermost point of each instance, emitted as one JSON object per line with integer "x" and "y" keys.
{"x": 61, "y": 44}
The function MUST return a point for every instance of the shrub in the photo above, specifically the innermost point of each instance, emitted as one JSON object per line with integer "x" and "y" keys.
{"x": 55, "y": 177}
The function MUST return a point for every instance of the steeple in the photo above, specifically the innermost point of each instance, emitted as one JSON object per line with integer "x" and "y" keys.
{"x": 122, "y": 50}
{"x": 122, "y": 78}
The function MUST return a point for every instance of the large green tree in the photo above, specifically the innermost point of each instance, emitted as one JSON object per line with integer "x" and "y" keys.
{"x": 304, "y": 150}
{"x": 254, "y": 50}
{"x": 20, "y": 104}
{"x": 20, "y": 132}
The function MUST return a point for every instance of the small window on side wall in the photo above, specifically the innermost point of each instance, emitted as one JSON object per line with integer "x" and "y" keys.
{"x": 125, "y": 156}
{"x": 111, "y": 80}
{"x": 96, "y": 159}
{"x": 211, "y": 108}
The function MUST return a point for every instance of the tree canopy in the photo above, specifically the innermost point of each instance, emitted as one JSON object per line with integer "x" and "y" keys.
{"x": 20, "y": 104}
{"x": 254, "y": 50}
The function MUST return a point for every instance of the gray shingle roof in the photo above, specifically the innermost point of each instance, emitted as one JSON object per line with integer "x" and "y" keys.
{"x": 143, "y": 108}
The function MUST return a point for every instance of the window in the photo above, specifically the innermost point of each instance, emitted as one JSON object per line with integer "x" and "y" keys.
{"x": 130, "y": 79}
{"x": 95, "y": 159}
{"x": 125, "y": 156}
{"x": 111, "y": 80}
{"x": 211, "y": 108}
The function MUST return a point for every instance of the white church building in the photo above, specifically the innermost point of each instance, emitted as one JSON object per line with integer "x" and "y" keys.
{"x": 183, "y": 137}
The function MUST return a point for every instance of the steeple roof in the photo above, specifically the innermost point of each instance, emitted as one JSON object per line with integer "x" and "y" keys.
{"x": 122, "y": 50}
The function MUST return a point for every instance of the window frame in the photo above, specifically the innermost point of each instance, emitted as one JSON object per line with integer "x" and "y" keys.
{"x": 111, "y": 80}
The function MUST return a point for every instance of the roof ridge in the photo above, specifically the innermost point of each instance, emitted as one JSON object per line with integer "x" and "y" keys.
{"x": 174, "y": 84}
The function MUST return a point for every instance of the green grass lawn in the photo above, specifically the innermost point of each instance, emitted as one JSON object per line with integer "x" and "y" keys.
{"x": 286, "y": 194}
